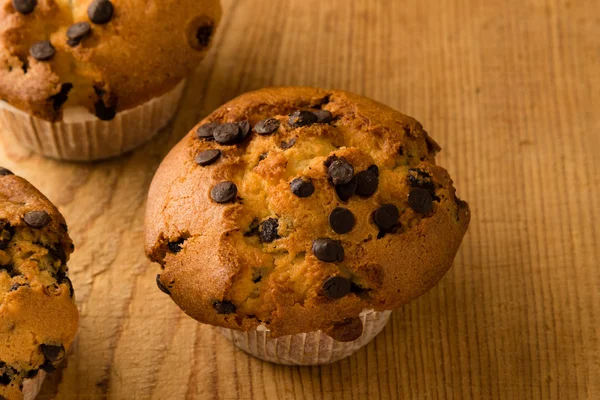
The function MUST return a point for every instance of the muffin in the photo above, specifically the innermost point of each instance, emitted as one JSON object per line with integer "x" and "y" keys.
{"x": 297, "y": 218}
{"x": 38, "y": 317}
{"x": 91, "y": 79}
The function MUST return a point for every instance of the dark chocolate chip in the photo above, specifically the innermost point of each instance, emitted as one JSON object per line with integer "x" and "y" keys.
{"x": 5, "y": 379}
{"x": 268, "y": 230}
{"x": 366, "y": 183}
{"x": 105, "y": 113}
{"x": 302, "y": 188}
{"x": 37, "y": 219}
{"x": 204, "y": 33}
{"x": 267, "y": 126}
{"x": 386, "y": 217}
{"x": 32, "y": 373}
{"x": 61, "y": 97}
{"x": 262, "y": 156}
{"x": 208, "y": 157}
{"x": 336, "y": 287}
{"x": 340, "y": 172}
{"x": 341, "y": 220}
{"x": 421, "y": 179}
{"x": 24, "y": 6}
{"x": 206, "y": 131}
{"x": 100, "y": 11}
{"x": 47, "y": 367}
{"x": 224, "y": 307}
{"x": 5, "y": 172}
{"x": 302, "y": 118}
{"x": 42, "y": 51}
{"x": 323, "y": 116}
{"x": 346, "y": 190}
{"x": 175, "y": 247}
{"x": 162, "y": 287}
{"x": 77, "y": 32}
{"x": 374, "y": 169}
{"x": 401, "y": 150}
{"x": 328, "y": 250}
{"x": 287, "y": 145}
{"x": 224, "y": 192}
{"x": 420, "y": 200}
{"x": 227, "y": 133}
{"x": 52, "y": 353}
{"x": 244, "y": 129}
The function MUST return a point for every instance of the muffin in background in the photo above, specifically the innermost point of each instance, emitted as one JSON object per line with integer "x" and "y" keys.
{"x": 296, "y": 219}
{"x": 38, "y": 316}
{"x": 92, "y": 79}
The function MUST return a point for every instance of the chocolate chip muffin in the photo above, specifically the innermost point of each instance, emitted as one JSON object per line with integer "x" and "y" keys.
{"x": 294, "y": 210}
{"x": 87, "y": 61}
{"x": 38, "y": 318}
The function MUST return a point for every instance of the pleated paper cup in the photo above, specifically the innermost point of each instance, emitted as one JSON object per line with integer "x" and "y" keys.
{"x": 81, "y": 136}
{"x": 313, "y": 348}
{"x": 31, "y": 387}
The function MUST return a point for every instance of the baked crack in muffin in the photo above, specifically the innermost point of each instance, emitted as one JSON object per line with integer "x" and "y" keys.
{"x": 38, "y": 317}
{"x": 293, "y": 210}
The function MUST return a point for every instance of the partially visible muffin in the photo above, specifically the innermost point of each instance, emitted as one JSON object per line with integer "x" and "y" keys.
{"x": 296, "y": 209}
{"x": 38, "y": 317}
{"x": 99, "y": 58}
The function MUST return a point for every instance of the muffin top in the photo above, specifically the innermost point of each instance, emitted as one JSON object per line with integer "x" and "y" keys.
{"x": 298, "y": 208}
{"x": 102, "y": 55}
{"x": 38, "y": 318}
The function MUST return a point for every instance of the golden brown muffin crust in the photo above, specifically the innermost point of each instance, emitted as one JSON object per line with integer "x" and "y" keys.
{"x": 143, "y": 51}
{"x": 252, "y": 260}
{"x": 38, "y": 318}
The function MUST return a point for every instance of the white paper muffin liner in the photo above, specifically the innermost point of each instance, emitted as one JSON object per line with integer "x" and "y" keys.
{"x": 313, "y": 348}
{"x": 83, "y": 137}
{"x": 31, "y": 387}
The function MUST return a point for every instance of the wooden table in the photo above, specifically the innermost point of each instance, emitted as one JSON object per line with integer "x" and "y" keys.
{"x": 510, "y": 89}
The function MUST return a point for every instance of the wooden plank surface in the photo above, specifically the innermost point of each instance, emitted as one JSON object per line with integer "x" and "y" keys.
{"x": 509, "y": 88}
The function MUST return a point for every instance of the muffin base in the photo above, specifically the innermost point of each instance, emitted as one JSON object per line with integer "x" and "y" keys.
{"x": 83, "y": 137}
{"x": 31, "y": 387}
{"x": 313, "y": 348}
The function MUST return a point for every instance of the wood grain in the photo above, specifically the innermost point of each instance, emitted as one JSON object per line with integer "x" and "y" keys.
{"x": 511, "y": 91}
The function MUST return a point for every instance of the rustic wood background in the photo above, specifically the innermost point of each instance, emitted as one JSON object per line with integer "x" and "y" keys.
{"x": 509, "y": 88}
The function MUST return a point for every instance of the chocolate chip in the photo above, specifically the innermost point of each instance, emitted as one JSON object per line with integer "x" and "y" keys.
{"x": 37, "y": 219}
{"x": 77, "y": 32}
{"x": 61, "y": 97}
{"x": 420, "y": 200}
{"x": 5, "y": 172}
{"x": 268, "y": 230}
{"x": 287, "y": 145}
{"x": 224, "y": 307}
{"x": 204, "y": 33}
{"x": 346, "y": 190}
{"x": 7, "y": 231}
{"x": 47, "y": 367}
{"x": 175, "y": 247}
{"x": 341, "y": 220}
{"x": 244, "y": 130}
{"x": 32, "y": 373}
{"x": 100, "y": 11}
{"x": 386, "y": 217}
{"x": 105, "y": 113}
{"x": 206, "y": 131}
{"x": 42, "y": 51}
{"x": 323, "y": 116}
{"x": 328, "y": 250}
{"x": 24, "y": 6}
{"x": 340, "y": 172}
{"x": 302, "y": 188}
{"x": 226, "y": 134}
{"x": 267, "y": 126}
{"x": 336, "y": 287}
{"x": 302, "y": 118}
{"x": 162, "y": 287}
{"x": 366, "y": 183}
{"x": 208, "y": 157}
{"x": 52, "y": 353}
{"x": 224, "y": 192}
{"x": 374, "y": 169}
{"x": 263, "y": 156}
{"x": 5, "y": 379}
